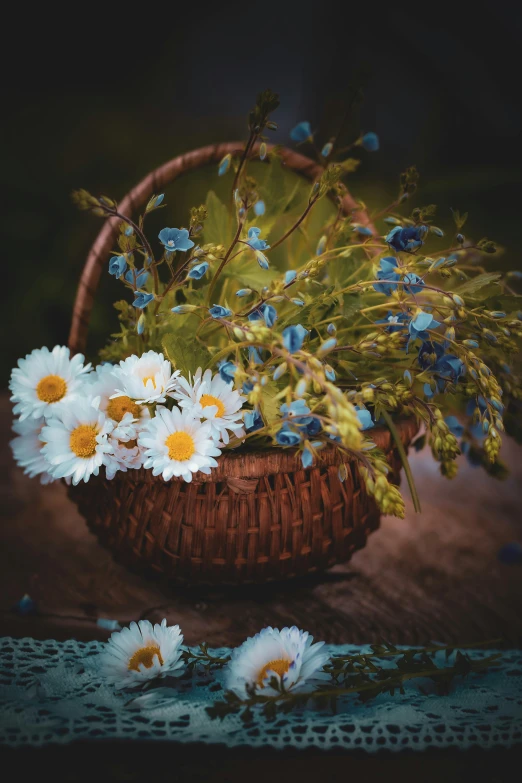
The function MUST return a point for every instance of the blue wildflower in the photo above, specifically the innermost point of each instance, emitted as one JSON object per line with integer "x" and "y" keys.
{"x": 287, "y": 436}
{"x": 418, "y": 325}
{"x": 141, "y": 277}
{"x": 370, "y": 142}
{"x": 117, "y": 265}
{"x": 301, "y": 132}
{"x": 259, "y": 208}
{"x": 365, "y": 418}
{"x": 313, "y": 427}
{"x": 219, "y": 312}
{"x": 175, "y": 239}
{"x": 297, "y": 408}
{"x": 198, "y": 271}
{"x": 293, "y": 337}
{"x": 413, "y": 283}
{"x": 266, "y": 312}
{"x": 142, "y": 300}
{"x": 290, "y": 276}
{"x": 253, "y": 421}
{"x": 406, "y": 238}
{"x": 227, "y": 370}
{"x": 446, "y": 366}
{"x": 396, "y": 322}
{"x": 387, "y": 272}
{"x": 129, "y": 231}
{"x": 254, "y": 241}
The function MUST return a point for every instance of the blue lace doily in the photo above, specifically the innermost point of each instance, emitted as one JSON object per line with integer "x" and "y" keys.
{"x": 50, "y": 692}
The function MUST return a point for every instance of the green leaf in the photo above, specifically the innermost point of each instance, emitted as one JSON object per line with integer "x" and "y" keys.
{"x": 186, "y": 354}
{"x": 248, "y": 274}
{"x": 471, "y": 287}
{"x": 351, "y": 304}
{"x": 269, "y": 405}
{"x": 217, "y": 225}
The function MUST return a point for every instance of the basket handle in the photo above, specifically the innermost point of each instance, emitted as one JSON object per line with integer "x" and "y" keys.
{"x": 137, "y": 199}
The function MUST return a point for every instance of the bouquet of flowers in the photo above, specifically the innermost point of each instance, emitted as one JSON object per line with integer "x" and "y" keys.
{"x": 277, "y": 320}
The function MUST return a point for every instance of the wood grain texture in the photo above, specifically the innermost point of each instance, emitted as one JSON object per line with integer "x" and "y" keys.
{"x": 431, "y": 576}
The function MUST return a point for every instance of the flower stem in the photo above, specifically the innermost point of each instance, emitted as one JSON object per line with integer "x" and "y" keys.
{"x": 404, "y": 459}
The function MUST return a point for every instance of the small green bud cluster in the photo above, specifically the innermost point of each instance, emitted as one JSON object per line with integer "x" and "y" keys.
{"x": 444, "y": 445}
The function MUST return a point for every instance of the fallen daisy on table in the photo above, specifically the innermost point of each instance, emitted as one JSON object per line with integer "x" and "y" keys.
{"x": 142, "y": 652}
{"x": 288, "y": 656}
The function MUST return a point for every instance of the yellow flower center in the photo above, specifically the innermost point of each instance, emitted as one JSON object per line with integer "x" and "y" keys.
{"x": 51, "y": 388}
{"x": 208, "y": 399}
{"x": 145, "y": 656}
{"x": 83, "y": 441}
{"x": 119, "y": 406}
{"x": 149, "y": 378}
{"x": 181, "y": 446}
{"x": 279, "y": 666}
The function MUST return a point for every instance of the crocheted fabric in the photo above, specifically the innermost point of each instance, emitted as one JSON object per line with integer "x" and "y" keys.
{"x": 51, "y": 692}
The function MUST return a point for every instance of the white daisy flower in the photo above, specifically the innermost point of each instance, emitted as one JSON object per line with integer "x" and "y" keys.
{"x": 142, "y": 652}
{"x": 45, "y": 378}
{"x": 126, "y": 414}
{"x": 125, "y": 455}
{"x": 27, "y": 449}
{"x": 76, "y": 441}
{"x": 176, "y": 444}
{"x": 288, "y": 656}
{"x": 145, "y": 380}
{"x": 213, "y": 399}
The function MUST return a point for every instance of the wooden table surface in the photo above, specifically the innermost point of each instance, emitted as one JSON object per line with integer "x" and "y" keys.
{"x": 433, "y": 576}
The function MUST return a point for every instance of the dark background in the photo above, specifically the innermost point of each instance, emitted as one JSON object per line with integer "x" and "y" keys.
{"x": 97, "y": 103}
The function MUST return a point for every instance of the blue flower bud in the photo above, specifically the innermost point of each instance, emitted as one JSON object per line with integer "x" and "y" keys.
{"x": 407, "y": 377}
{"x": 244, "y": 292}
{"x": 140, "y": 326}
{"x": 363, "y": 230}
{"x": 129, "y": 231}
{"x": 460, "y": 239}
{"x": 159, "y": 199}
{"x": 307, "y": 458}
{"x": 365, "y": 418}
{"x": 470, "y": 343}
{"x": 329, "y": 372}
{"x": 497, "y": 314}
{"x": 262, "y": 260}
{"x": 458, "y": 300}
{"x": 298, "y": 302}
{"x": 293, "y": 337}
{"x": 259, "y": 208}
{"x": 328, "y": 345}
{"x": 331, "y": 329}
{"x": 224, "y": 165}
{"x": 325, "y": 152}
{"x": 290, "y": 276}
{"x": 437, "y": 231}
{"x": 370, "y": 142}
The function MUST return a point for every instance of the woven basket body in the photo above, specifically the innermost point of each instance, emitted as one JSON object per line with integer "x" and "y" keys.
{"x": 258, "y": 516}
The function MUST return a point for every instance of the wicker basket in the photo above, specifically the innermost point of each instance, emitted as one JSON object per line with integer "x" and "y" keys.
{"x": 259, "y": 515}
